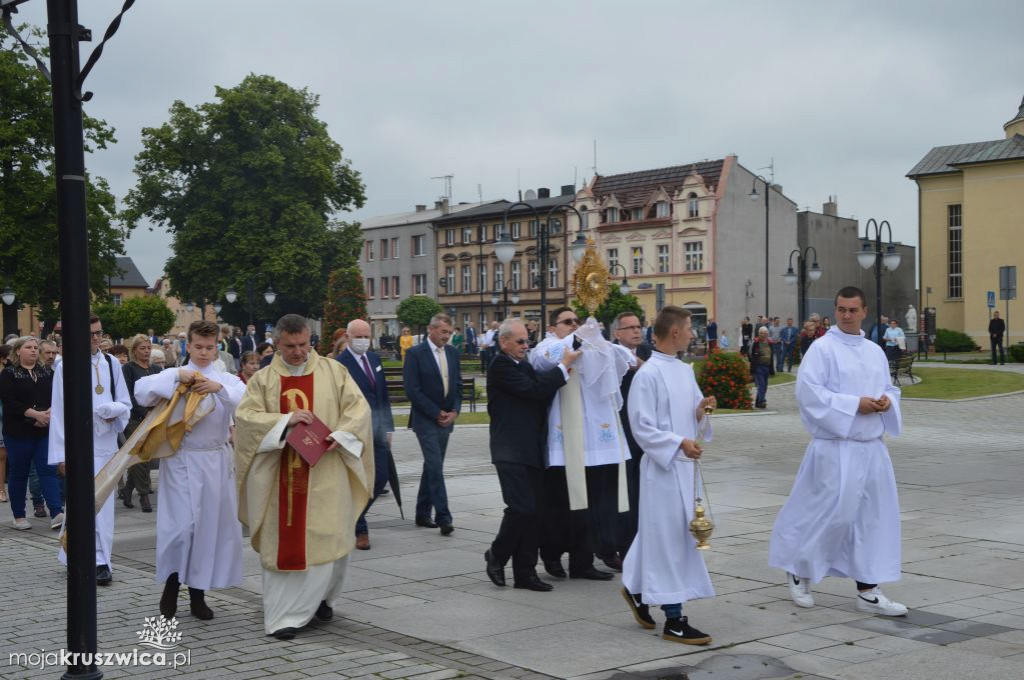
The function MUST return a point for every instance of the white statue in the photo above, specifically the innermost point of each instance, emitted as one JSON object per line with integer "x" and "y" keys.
{"x": 911, "y": 319}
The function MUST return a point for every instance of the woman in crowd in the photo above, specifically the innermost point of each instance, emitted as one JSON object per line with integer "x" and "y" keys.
{"x": 169, "y": 352}
{"x": 25, "y": 388}
{"x": 140, "y": 366}
{"x": 746, "y": 335}
{"x": 405, "y": 342}
{"x": 807, "y": 336}
{"x": 5, "y": 351}
{"x": 157, "y": 358}
{"x": 338, "y": 340}
{"x": 250, "y": 364}
{"x": 119, "y": 352}
{"x": 457, "y": 340}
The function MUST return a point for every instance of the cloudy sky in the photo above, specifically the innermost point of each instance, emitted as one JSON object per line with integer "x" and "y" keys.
{"x": 845, "y": 97}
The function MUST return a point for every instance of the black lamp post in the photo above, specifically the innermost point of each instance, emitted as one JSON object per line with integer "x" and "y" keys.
{"x": 754, "y": 196}
{"x": 269, "y": 295}
{"x": 802, "y": 277}
{"x": 624, "y": 286}
{"x": 505, "y": 288}
{"x": 869, "y": 256}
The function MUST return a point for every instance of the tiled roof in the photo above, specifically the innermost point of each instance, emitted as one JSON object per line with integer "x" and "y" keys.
{"x": 633, "y": 189}
{"x": 130, "y": 276}
{"x": 410, "y": 217}
{"x": 943, "y": 159}
{"x": 497, "y": 209}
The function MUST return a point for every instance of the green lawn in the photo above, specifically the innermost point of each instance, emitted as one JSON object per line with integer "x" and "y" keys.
{"x": 481, "y": 417}
{"x": 781, "y": 378}
{"x": 961, "y": 383}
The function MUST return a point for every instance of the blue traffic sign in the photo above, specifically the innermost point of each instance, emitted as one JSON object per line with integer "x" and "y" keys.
{"x": 991, "y": 299}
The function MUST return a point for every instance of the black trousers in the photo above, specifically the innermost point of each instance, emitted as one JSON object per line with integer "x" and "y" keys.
{"x": 629, "y": 522}
{"x": 603, "y": 505}
{"x": 997, "y": 342}
{"x": 564, "y": 530}
{"x": 522, "y": 490}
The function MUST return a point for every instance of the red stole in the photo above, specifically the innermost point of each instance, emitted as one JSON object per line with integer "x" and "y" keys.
{"x": 293, "y": 481}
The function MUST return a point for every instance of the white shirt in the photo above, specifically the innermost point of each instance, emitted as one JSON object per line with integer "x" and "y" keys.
{"x": 434, "y": 349}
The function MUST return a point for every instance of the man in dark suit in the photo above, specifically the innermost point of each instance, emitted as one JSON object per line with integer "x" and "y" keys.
{"x": 433, "y": 383}
{"x": 365, "y": 368}
{"x": 629, "y": 334}
{"x": 249, "y": 341}
{"x": 518, "y": 399}
{"x": 470, "y": 339}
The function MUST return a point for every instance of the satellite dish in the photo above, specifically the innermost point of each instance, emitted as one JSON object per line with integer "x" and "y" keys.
{"x": 530, "y": 195}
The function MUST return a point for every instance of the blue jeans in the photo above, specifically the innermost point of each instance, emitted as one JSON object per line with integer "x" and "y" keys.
{"x": 432, "y": 495}
{"x": 381, "y": 450}
{"x": 21, "y": 453}
{"x": 35, "y": 489}
{"x": 778, "y": 349}
{"x": 672, "y": 611}
{"x": 787, "y": 356}
{"x": 761, "y": 372}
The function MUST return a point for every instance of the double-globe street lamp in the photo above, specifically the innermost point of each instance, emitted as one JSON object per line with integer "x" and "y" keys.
{"x": 802, "y": 277}
{"x": 872, "y": 254}
{"x": 495, "y": 298}
{"x": 269, "y": 295}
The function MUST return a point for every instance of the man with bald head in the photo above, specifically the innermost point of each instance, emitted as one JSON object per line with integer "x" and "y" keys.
{"x": 365, "y": 368}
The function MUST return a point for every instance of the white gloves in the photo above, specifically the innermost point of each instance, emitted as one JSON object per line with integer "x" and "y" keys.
{"x": 111, "y": 410}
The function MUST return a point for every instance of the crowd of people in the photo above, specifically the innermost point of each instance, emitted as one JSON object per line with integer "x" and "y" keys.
{"x": 594, "y": 439}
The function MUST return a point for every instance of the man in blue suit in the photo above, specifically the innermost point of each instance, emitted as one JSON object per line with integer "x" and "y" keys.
{"x": 433, "y": 383}
{"x": 364, "y": 367}
{"x": 470, "y": 339}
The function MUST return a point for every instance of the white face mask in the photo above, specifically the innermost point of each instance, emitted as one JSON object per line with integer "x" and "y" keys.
{"x": 359, "y": 345}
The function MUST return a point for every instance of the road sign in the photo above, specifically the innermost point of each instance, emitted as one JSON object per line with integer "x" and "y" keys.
{"x": 991, "y": 299}
{"x": 1008, "y": 283}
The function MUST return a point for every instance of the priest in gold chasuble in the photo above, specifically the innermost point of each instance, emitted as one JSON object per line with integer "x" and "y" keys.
{"x": 301, "y": 519}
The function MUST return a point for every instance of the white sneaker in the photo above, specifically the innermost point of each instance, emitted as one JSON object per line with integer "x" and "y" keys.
{"x": 57, "y": 521}
{"x": 874, "y": 602}
{"x": 21, "y": 524}
{"x": 800, "y": 591}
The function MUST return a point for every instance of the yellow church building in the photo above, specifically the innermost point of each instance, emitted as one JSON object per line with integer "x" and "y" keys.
{"x": 971, "y": 223}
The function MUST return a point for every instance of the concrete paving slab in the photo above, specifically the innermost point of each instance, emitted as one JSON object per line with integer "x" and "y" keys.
{"x": 934, "y": 663}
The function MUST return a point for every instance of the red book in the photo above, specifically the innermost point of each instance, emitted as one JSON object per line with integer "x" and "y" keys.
{"x": 310, "y": 441}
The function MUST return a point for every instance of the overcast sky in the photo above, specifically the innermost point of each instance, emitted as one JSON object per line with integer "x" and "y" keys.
{"x": 845, "y": 96}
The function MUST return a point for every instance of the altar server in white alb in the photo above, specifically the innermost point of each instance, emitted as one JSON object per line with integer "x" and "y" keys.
{"x": 663, "y": 566}
{"x": 111, "y": 406}
{"x": 842, "y": 517}
{"x": 198, "y": 535}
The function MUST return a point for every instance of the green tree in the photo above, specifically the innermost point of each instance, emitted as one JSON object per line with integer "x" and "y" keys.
{"x": 247, "y": 184}
{"x": 612, "y": 306}
{"x": 28, "y": 201}
{"x": 139, "y": 314}
{"x": 416, "y": 311}
{"x": 346, "y": 300}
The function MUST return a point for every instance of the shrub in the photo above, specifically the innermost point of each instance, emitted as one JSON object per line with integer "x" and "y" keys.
{"x": 953, "y": 341}
{"x": 726, "y": 376}
{"x": 1017, "y": 352}
{"x": 346, "y": 300}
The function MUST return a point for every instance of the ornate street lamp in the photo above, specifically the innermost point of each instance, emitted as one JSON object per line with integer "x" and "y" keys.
{"x": 868, "y": 256}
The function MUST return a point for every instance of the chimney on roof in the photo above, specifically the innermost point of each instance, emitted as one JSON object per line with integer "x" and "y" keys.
{"x": 543, "y": 192}
{"x": 442, "y": 205}
{"x": 568, "y": 189}
{"x": 420, "y": 207}
{"x": 830, "y": 207}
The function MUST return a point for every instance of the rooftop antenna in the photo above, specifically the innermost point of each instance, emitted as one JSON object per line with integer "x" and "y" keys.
{"x": 595, "y": 156}
{"x": 447, "y": 186}
{"x": 480, "y": 193}
{"x": 575, "y": 176}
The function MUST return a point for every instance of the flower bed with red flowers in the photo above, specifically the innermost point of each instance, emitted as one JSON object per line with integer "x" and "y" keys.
{"x": 726, "y": 376}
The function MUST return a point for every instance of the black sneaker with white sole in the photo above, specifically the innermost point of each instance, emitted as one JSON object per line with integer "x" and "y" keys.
{"x": 679, "y": 630}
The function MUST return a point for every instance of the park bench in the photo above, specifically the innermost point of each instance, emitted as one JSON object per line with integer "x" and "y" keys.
{"x": 396, "y": 387}
{"x": 902, "y": 366}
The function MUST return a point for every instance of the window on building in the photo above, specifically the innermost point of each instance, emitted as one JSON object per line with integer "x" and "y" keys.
{"x": 449, "y": 278}
{"x": 385, "y": 287}
{"x": 585, "y": 222}
{"x": 638, "y": 260}
{"x": 394, "y": 248}
{"x": 481, "y": 277}
{"x": 693, "y": 210}
{"x": 516, "y": 274}
{"x": 662, "y": 209}
{"x": 449, "y": 237}
{"x": 531, "y": 268}
{"x": 394, "y": 287}
{"x": 419, "y": 247}
{"x": 533, "y": 228}
{"x": 467, "y": 234}
{"x": 636, "y": 214}
{"x": 611, "y": 214}
{"x": 693, "y": 256}
{"x": 115, "y": 298}
{"x": 467, "y": 279}
{"x": 466, "y": 318}
{"x": 555, "y": 226}
{"x": 369, "y": 251}
{"x": 499, "y": 275}
{"x": 553, "y": 274}
{"x": 516, "y": 230}
{"x": 497, "y": 231}
{"x": 384, "y": 252}
{"x": 370, "y": 292}
{"x": 481, "y": 233}
{"x": 483, "y": 323}
{"x": 419, "y": 284}
{"x": 663, "y": 265}
{"x": 956, "y": 245}
{"x": 613, "y": 258}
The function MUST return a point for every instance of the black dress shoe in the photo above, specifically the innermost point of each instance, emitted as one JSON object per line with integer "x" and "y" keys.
{"x": 144, "y": 503}
{"x": 421, "y": 522}
{"x": 495, "y": 571}
{"x": 613, "y": 562}
{"x": 103, "y": 575}
{"x": 554, "y": 568}
{"x": 324, "y": 611}
{"x": 533, "y": 582}
{"x": 126, "y": 498}
{"x": 447, "y": 529}
{"x": 198, "y": 606}
{"x": 593, "y": 574}
{"x": 284, "y": 634}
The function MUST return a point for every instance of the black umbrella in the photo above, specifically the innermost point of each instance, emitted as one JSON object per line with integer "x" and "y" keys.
{"x": 393, "y": 481}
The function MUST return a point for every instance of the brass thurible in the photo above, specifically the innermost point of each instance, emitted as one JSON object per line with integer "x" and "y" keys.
{"x": 701, "y": 526}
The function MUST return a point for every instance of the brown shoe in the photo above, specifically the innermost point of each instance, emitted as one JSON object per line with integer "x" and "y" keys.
{"x": 144, "y": 503}
{"x": 362, "y": 541}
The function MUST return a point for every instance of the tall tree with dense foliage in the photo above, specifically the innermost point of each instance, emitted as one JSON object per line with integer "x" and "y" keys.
{"x": 416, "y": 311}
{"x": 346, "y": 300}
{"x": 28, "y": 194}
{"x": 247, "y": 186}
